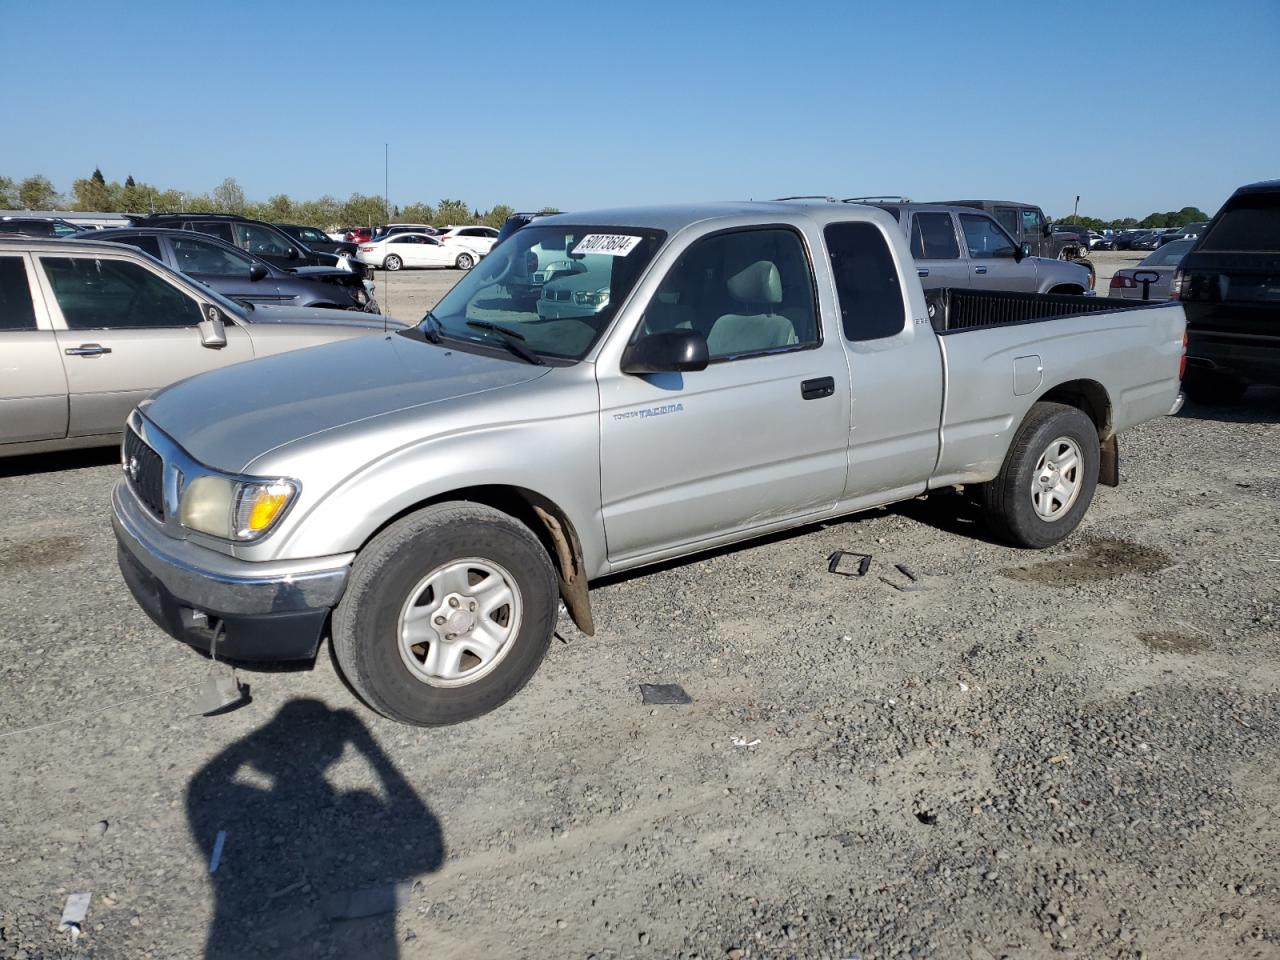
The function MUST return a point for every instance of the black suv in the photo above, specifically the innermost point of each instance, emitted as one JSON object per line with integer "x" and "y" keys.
{"x": 317, "y": 239}
{"x": 1229, "y": 285}
{"x": 242, "y": 276}
{"x": 253, "y": 236}
{"x": 38, "y": 226}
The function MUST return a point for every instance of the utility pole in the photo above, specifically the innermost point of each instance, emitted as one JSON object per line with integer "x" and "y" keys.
{"x": 386, "y": 179}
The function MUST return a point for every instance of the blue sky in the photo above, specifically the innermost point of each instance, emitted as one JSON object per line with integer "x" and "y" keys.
{"x": 1134, "y": 107}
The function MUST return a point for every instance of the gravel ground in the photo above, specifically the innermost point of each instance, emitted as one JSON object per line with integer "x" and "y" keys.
{"x": 1069, "y": 753}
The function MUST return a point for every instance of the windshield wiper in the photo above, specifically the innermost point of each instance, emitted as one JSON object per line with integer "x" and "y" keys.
{"x": 511, "y": 339}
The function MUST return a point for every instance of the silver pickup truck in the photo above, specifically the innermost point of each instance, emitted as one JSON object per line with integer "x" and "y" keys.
{"x": 426, "y": 498}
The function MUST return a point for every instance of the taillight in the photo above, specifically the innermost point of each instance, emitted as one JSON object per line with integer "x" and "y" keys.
{"x": 531, "y": 261}
{"x": 1176, "y": 292}
{"x": 1120, "y": 282}
{"x": 368, "y": 249}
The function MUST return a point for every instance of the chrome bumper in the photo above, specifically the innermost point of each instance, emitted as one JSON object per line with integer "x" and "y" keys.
{"x": 223, "y": 585}
{"x": 1177, "y": 404}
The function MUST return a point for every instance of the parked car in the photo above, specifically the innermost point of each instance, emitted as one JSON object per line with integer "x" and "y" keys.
{"x": 392, "y": 228}
{"x": 253, "y": 236}
{"x": 89, "y": 329}
{"x": 242, "y": 276}
{"x": 476, "y": 238}
{"x": 1152, "y": 279}
{"x": 1192, "y": 231}
{"x": 1026, "y": 223}
{"x": 514, "y": 223}
{"x": 359, "y": 235}
{"x": 1150, "y": 240}
{"x": 318, "y": 240}
{"x": 430, "y": 498}
{"x": 38, "y": 226}
{"x": 1229, "y": 285}
{"x": 1102, "y": 242}
{"x": 958, "y": 246}
{"x": 1127, "y": 239}
{"x": 414, "y": 250}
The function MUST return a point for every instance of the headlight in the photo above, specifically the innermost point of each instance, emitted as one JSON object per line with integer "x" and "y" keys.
{"x": 234, "y": 509}
{"x": 361, "y": 297}
{"x": 592, "y": 298}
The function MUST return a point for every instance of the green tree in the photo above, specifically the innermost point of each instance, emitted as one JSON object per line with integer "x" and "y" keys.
{"x": 419, "y": 213}
{"x": 227, "y": 197}
{"x": 277, "y": 209}
{"x": 452, "y": 213}
{"x": 37, "y": 193}
{"x": 8, "y": 193}
{"x": 498, "y": 215}
{"x": 92, "y": 193}
{"x": 324, "y": 213}
{"x": 363, "y": 210}
{"x": 1189, "y": 215}
{"x": 201, "y": 203}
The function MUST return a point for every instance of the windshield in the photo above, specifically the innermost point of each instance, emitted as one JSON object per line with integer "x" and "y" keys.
{"x": 1170, "y": 255}
{"x": 555, "y": 288}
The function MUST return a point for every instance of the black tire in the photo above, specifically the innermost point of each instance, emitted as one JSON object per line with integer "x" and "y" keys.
{"x": 465, "y": 261}
{"x": 1007, "y": 502}
{"x": 1213, "y": 387}
{"x": 392, "y": 262}
{"x": 366, "y": 622}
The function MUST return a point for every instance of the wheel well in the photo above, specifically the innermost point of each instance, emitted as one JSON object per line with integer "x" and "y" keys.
{"x": 550, "y": 524}
{"x": 1068, "y": 288}
{"x": 1088, "y": 396}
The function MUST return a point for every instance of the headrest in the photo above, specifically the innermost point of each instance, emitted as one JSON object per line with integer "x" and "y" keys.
{"x": 758, "y": 283}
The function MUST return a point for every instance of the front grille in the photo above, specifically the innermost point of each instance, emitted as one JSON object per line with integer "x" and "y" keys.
{"x": 145, "y": 470}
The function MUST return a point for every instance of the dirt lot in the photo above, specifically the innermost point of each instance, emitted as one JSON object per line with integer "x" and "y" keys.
{"x": 1070, "y": 753}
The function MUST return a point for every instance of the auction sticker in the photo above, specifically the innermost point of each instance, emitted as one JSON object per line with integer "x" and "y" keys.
{"x": 607, "y": 244}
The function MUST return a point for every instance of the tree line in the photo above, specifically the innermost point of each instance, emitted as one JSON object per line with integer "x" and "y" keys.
{"x": 95, "y": 193}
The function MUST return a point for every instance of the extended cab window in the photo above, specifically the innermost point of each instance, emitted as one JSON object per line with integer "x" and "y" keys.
{"x": 214, "y": 228}
{"x": 16, "y": 310}
{"x": 871, "y": 304}
{"x": 747, "y": 292}
{"x": 96, "y": 294}
{"x": 984, "y": 238}
{"x": 1008, "y": 217}
{"x": 933, "y": 237}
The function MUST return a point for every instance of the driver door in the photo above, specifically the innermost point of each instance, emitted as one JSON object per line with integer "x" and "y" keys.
{"x": 123, "y": 331}
{"x": 992, "y": 261}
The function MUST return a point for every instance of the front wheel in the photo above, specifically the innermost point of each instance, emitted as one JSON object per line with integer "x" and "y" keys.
{"x": 447, "y": 614}
{"x": 1048, "y": 478}
{"x": 465, "y": 261}
{"x": 392, "y": 263}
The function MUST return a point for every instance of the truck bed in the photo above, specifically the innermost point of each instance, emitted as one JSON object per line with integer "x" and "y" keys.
{"x": 956, "y": 310}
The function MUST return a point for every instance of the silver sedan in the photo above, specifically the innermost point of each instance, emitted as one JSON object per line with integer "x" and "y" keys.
{"x": 89, "y": 329}
{"x": 1152, "y": 279}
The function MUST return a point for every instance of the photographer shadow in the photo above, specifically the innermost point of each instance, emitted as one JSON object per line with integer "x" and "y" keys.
{"x": 305, "y": 869}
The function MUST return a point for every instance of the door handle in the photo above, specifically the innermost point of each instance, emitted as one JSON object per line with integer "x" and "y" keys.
{"x": 979, "y": 269}
{"x": 818, "y": 388}
{"x": 923, "y": 272}
{"x": 87, "y": 350}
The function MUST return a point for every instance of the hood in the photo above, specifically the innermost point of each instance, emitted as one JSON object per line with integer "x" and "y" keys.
{"x": 323, "y": 273}
{"x": 229, "y": 417}
{"x": 322, "y": 316}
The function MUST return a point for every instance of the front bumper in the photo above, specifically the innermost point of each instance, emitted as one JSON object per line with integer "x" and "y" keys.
{"x": 267, "y": 611}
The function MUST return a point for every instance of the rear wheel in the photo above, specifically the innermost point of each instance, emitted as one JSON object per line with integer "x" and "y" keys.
{"x": 448, "y": 613}
{"x": 465, "y": 261}
{"x": 392, "y": 262}
{"x": 1048, "y": 479}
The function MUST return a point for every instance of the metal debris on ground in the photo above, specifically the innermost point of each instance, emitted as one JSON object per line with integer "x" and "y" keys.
{"x": 906, "y": 571}
{"x": 663, "y": 693}
{"x": 904, "y": 587}
{"x": 370, "y": 902}
{"x": 864, "y": 563}
{"x": 221, "y": 692}
{"x": 216, "y": 857}
{"x": 744, "y": 742}
{"x": 73, "y": 914}
{"x": 1061, "y": 758}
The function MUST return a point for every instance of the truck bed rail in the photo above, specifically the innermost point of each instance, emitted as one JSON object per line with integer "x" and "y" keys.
{"x": 953, "y": 310}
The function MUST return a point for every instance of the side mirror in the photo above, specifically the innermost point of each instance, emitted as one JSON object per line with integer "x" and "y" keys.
{"x": 293, "y": 253}
{"x": 258, "y": 272}
{"x": 1048, "y": 230}
{"x": 1023, "y": 251}
{"x": 213, "y": 333}
{"x": 670, "y": 351}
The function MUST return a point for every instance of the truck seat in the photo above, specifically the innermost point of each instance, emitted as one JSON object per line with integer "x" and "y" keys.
{"x": 758, "y": 288}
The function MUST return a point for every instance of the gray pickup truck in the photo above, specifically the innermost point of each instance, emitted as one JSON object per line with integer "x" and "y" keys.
{"x": 427, "y": 497}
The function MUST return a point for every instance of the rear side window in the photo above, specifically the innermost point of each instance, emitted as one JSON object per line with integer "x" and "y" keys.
{"x": 871, "y": 303}
{"x": 147, "y": 244}
{"x": 16, "y": 310}
{"x": 1008, "y": 218}
{"x": 933, "y": 237}
{"x": 1249, "y": 222}
{"x": 96, "y": 294}
{"x": 214, "y": 228}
